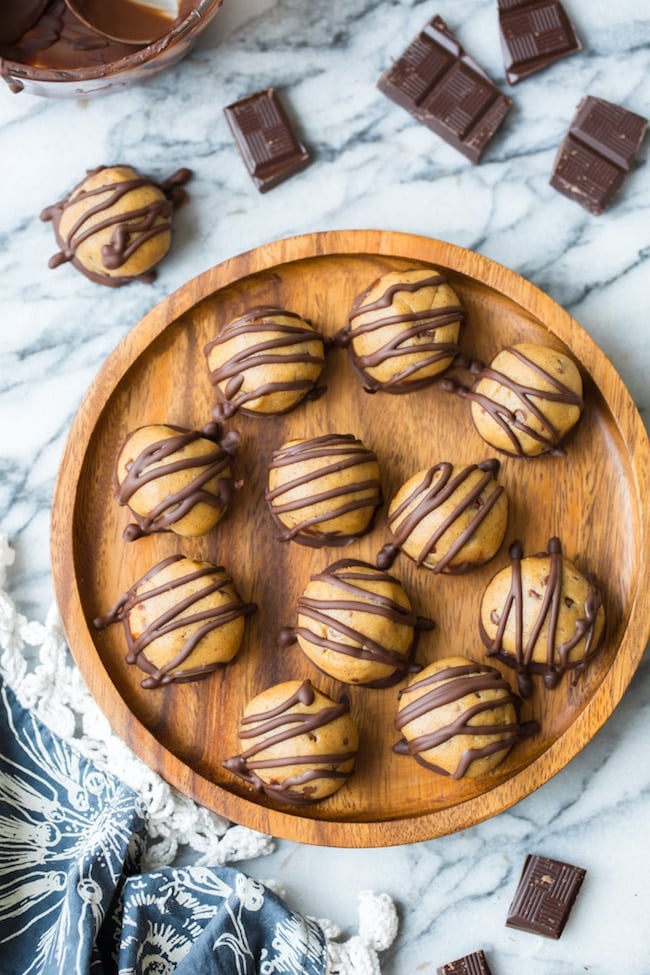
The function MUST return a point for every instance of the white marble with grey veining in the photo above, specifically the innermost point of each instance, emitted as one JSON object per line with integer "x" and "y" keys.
{"x": 374, "y": 166}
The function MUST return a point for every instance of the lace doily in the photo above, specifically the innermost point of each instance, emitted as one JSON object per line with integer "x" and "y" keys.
{"x": 48, "y": 683}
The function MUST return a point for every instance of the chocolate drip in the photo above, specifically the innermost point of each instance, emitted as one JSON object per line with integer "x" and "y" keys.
{"x": 436, "y": 487}
{"x": 131, "y": 229}
{"x": 176, "y": 618}
{"x": 279, "y": 350}
{"x": 510, "y": 420}
{"x": 344, "y": 452}
{"x": 173, "y": 507}
{"x": 557, "y": 655}
{"x": 387, "y": 555}
{"x": 452, "y": 684}
{"x": 417, "y": 324}
{"x": 348, "y": 576}
{"x": 281, "y": 724}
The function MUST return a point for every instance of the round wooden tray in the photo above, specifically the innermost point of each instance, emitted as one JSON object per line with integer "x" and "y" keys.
{"x": 595, "y": 499}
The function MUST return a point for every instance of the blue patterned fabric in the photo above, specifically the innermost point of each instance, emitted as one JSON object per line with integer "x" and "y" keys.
{"x": 72, "y": 901}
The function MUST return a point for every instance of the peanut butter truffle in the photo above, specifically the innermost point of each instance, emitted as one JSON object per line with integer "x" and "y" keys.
{"x": 458, "y": 718}
{"x": 450, "y": 518}
{"x": 403, "y": 330}
{"x": 300, "y": 745}
{"x": 183, "y": 620}
{"x": 527, "y": 400}
{"x": 541, "y": 615}
{"x": 175, "y": 479}
{"x": 265, "y": 363}
{"x": 115, "y": 226}
{"x": 356, "y": 623}
{"x": 324, "y": 491}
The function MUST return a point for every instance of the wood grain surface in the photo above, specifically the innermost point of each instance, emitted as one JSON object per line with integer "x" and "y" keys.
{"x": 595, "y": 499}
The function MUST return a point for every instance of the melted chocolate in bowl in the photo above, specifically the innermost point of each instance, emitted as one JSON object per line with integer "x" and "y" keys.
{"x": 59, "y": 55}
{"x": 17, "y": 16}
{"x": 124, "y": 20}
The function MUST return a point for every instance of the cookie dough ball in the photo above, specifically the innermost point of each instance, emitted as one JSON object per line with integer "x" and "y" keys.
{"x": 264, "y": 363}
{"x": 174, "y": 479}
{"x": 300, "y": 746}
{"x": 403, "y": 331}
{"x": 356, "y": 624}
{"x": 183, "y": 620}
{"x": 324, "y": 491}
{"x": 116, "y": 225}
{"x": 458, "y": 718}
{"x": 449, "y": 518}
{"x": 541, "y": 615}
{"x": 527, "y": 400}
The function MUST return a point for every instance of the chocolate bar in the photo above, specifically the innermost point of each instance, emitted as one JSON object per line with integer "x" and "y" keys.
{"x": 545, "y": 895}
{"x": 443, "y": 88}
{"x": 474, "y": 964}
{"x": 265, "y": 138}
{"x": 597, "y": 153}
{"x": 534, "y": 34}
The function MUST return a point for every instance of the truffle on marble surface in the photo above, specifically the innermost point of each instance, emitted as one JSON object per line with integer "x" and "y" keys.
{"x": 115, "y": 226}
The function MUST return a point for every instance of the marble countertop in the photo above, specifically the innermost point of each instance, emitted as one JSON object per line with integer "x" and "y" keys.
{"x": 374, "y": 167}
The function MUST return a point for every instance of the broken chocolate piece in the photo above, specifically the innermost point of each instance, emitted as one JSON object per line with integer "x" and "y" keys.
{"x": 265, "y": 139}
{"x": 597, "y": 153}
{"x": 534, "y": 34}
{"x": 474, "y": 964}
{"x": 443, "y": 88}
{"x": 546, "y": 892}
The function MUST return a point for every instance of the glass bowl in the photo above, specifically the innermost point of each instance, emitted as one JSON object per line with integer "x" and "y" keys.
{"x": 76, "y": 62}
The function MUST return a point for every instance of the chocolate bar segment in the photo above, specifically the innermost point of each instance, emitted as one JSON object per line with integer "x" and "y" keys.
{"x": 474, "y": 964}
{"x": 443, "y": 88}
{"x": 545, "y": 895}
{"x": 534, "y": 34}
{"x": 265, "y": 138}
{"x": 597, "y": 153}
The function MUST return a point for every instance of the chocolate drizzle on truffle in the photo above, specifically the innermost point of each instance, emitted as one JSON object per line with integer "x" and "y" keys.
{"x": 557, "y": 654}
{"x": 131, "y": 228}
{"x": 435, "y": 488}
{"x": 178, "y": 617}
{"x": 351, "y": 578}
{"x": 281, "y": 724}
{"x": 280, "y": 348}
{"x": 417, "y": 337}
{"x": 532, "y": 399}
{"x": 454, "y": 683}
{"x": 343, "y": 452}
{"x": 147, "y": 467}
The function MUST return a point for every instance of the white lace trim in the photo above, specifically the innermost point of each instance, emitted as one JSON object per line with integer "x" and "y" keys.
{"x": 378, "y": 926}
{"x": 53, "y": 689}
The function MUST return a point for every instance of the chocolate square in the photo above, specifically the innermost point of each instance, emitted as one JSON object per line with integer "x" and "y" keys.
{"x": 597, "y": 153}
{"x": 609, "y": 129}
{"x": 534, "y": 34}
{"x": 444, "y": 89}
{"x": 265, "y": 139}
{"x": 545, "y": 895}
{"x": 474, "y": 964}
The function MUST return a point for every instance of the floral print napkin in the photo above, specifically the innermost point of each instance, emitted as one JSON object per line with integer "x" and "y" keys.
{"x": 72, "y": 900}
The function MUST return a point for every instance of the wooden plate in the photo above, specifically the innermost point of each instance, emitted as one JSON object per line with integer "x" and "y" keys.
{"x": 595, "y": 498}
